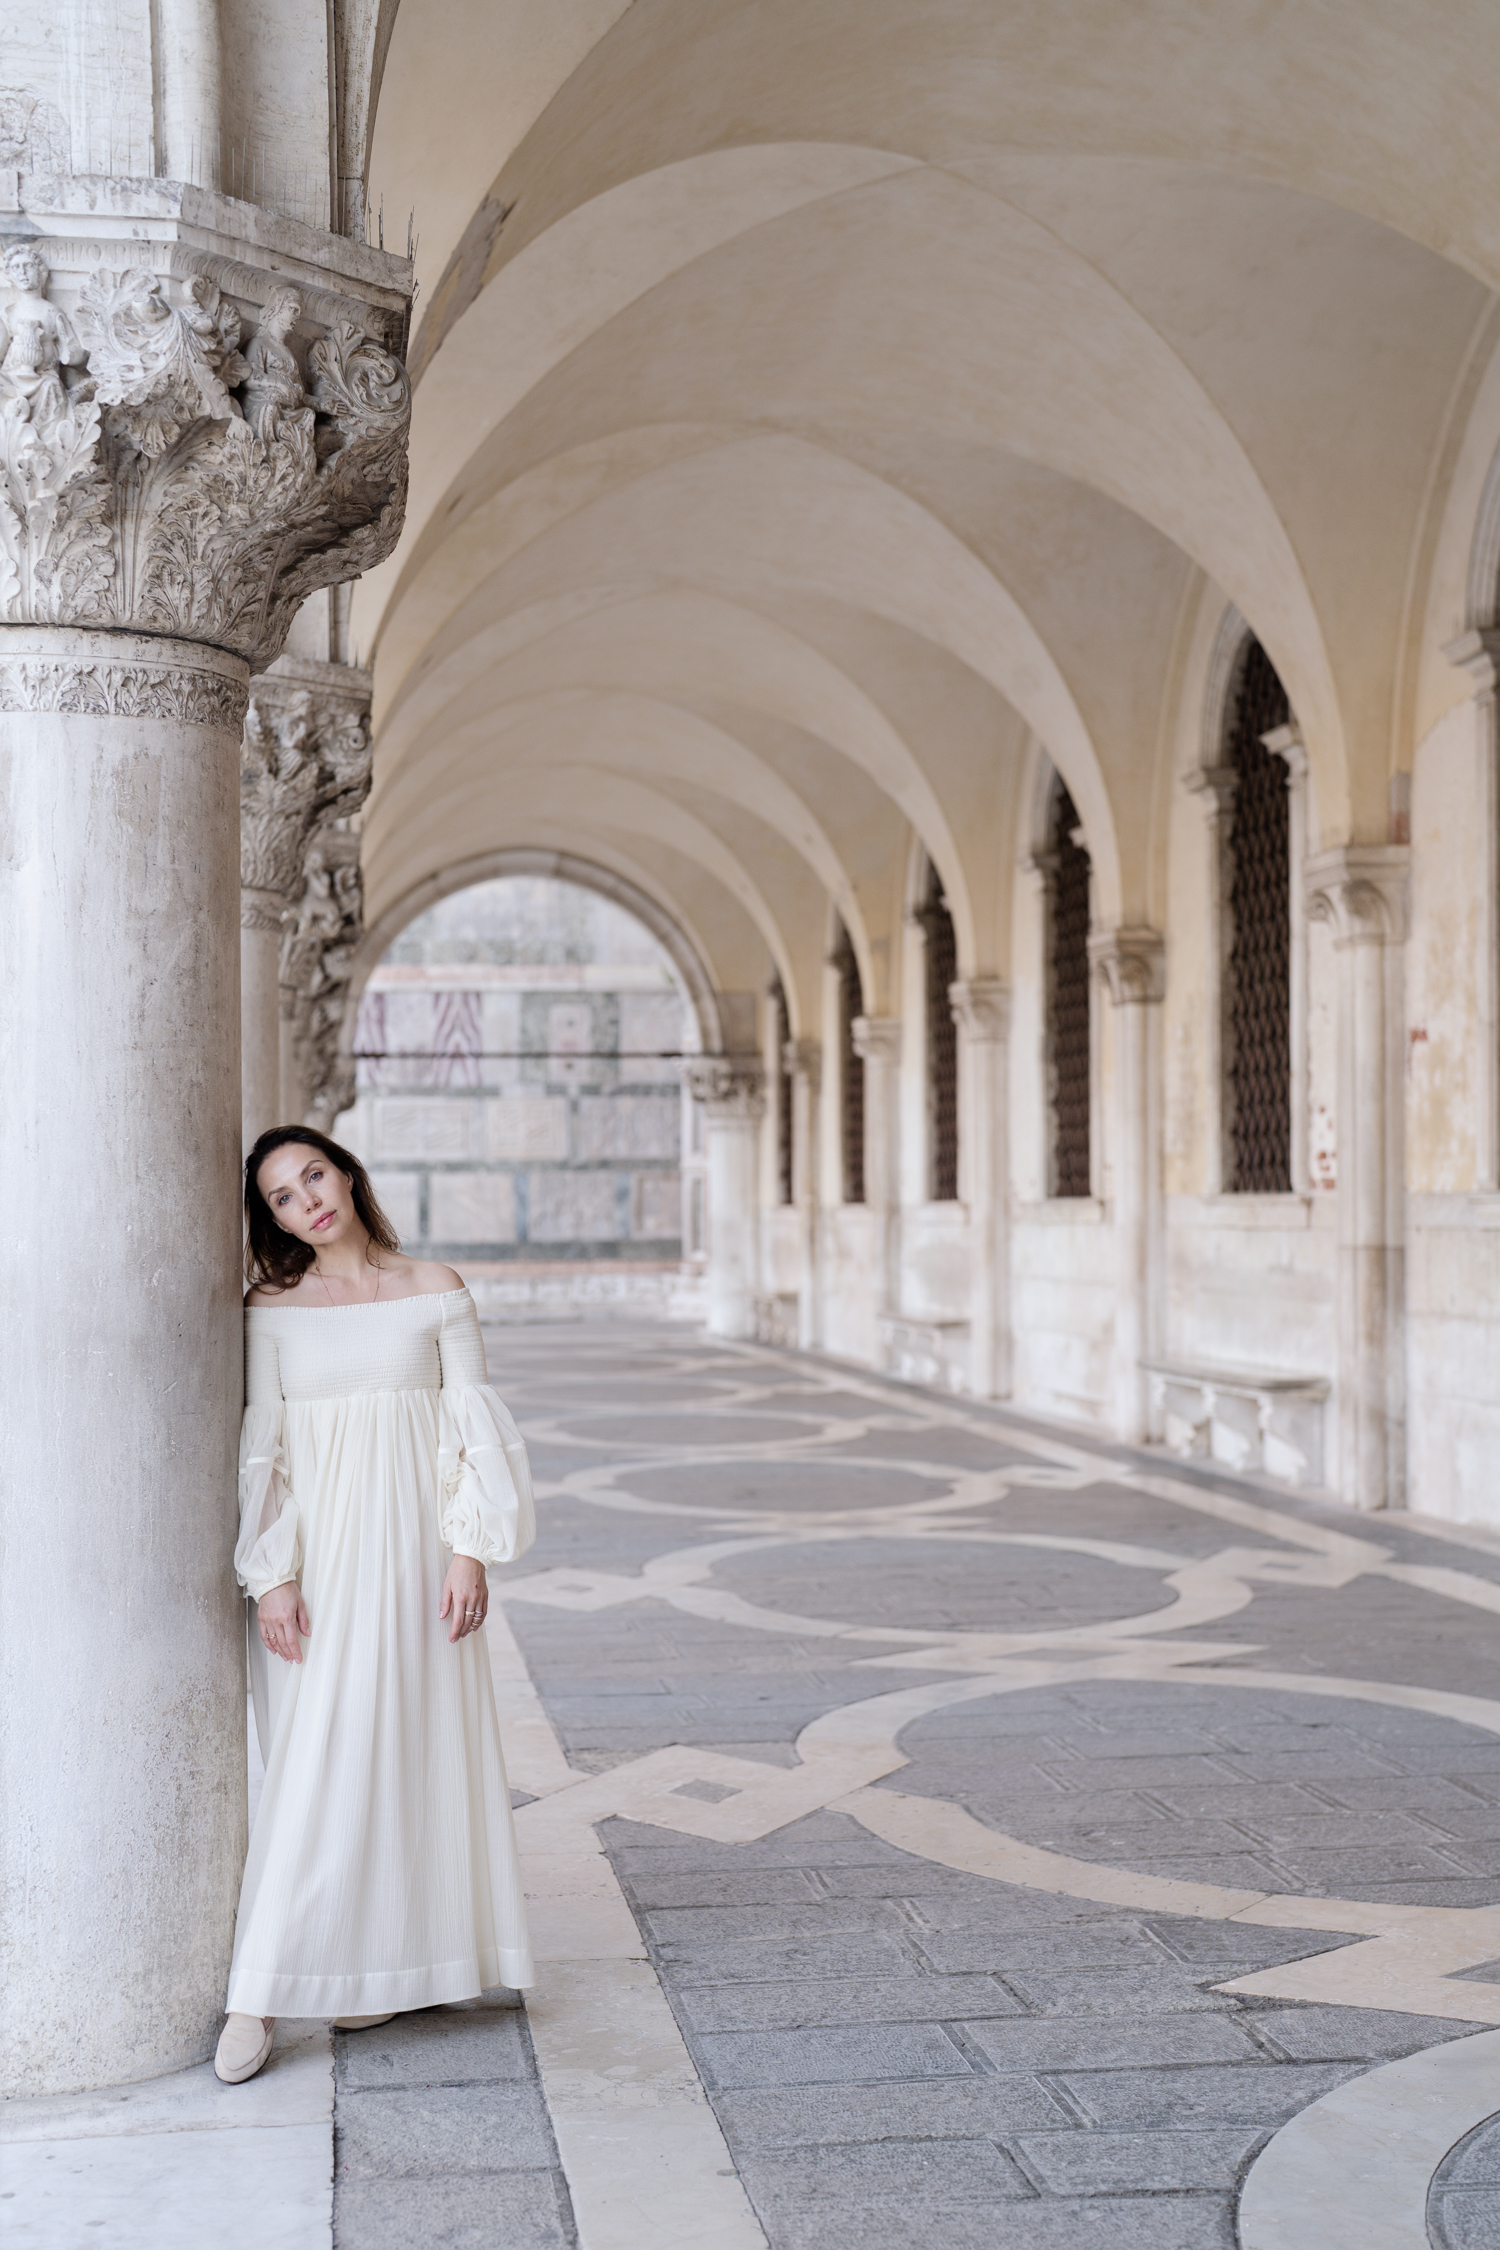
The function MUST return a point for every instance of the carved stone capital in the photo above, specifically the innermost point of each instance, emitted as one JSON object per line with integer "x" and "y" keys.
{"x": 730, "y": 1087}
{"x": 803, "y": 1058}
{"x": 1362, "y": 891}
{"x": 877, "y": 1039}
{"x": 1131, "y": 964}
{"x": 981, "y": 1010}
{"x": 192, "y": 442}
{"x": 305, "y": 763}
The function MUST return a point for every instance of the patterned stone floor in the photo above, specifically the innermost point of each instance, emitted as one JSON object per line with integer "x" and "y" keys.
{"x": 1022, "y": 1830}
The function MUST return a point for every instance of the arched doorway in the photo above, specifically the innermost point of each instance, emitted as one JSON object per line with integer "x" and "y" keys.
{"x": 519, "y": 1093}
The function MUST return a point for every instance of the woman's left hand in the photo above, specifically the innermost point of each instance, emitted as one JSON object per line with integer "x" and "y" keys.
{"x": 466, "y": 1594}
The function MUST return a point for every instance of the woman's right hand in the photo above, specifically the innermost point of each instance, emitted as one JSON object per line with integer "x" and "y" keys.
{"x": 283, "y": 1616}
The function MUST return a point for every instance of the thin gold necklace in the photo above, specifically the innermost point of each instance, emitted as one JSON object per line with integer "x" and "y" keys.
{"x": 328, "y": 1293}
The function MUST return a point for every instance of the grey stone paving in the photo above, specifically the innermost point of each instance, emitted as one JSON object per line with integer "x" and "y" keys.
{"x": 900, "y": 2054}
{"x": 441, "y": 2135}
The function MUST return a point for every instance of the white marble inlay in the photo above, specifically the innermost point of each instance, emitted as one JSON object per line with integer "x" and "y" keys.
{"x": 1351, "y": 2172}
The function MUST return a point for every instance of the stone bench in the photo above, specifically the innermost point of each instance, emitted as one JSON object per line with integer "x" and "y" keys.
{"x": 1247, "y": 1418}
{"x": 926, "y": 1351}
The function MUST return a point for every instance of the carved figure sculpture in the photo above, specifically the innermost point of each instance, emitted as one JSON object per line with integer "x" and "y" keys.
{"x": 273, "y": 380}
{"x": 38, "y": 342}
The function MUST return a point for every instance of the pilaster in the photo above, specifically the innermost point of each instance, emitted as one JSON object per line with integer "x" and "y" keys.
{"x": 802, "y": 1059}
{"x": 1131, "y": 966}
{"x": 1478, "y": 654}
{"x": 981, "y": 1012}
{"x": 877, "y": 1042}
{"x": 1361, "y": 891}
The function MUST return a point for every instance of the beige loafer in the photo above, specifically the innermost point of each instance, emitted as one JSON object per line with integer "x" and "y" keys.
{"x": 362, "y": 2023}
{"x": 244, "y": 2044}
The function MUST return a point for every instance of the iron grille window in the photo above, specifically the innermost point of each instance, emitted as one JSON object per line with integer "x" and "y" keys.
{"x": 942, "y": 1043}
{"x": 783, "y": 1095}
{"x": 1257, "y": 997}
{"x": 1068, "y": 1037}
{"x": 851, "y": 1068}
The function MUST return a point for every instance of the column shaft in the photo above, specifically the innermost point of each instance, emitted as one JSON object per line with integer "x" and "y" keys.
{"x": 260, "y": 1013}
{"x": 877, "y": 1041}
{"x": 1131, "y": 964}
{"x": 1361, "y": 891}
{"x": 121, "y": 1642}
{"x": 981, "y": 1010}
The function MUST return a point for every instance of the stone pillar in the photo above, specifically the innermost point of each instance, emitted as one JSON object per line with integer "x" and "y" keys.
{"x": 877, "y": 1042}
{"x": 1131, "y": 966}
{"x": 1214, "y": 787}
{"x": 732, "y": 1091}
{"x": 1478, "y": 653}
{"x": 166, "y": 503}
{"x": 803, "y": 1063}
{"x": 981, "y": 1010}
{"x": 1361, "y": 890}
{"x": 305, "y": 773}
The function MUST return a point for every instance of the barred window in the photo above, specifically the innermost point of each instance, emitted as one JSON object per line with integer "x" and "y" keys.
{"x": 1069, "y": 1051}
{"x": 1257, "y": 983}
{"x": 783, "y": 1082}
{"x": 851, "y": 1068}
{"x": 942, "y": 1043}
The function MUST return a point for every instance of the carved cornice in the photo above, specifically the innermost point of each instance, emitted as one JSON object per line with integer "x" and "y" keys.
{"x": 1216, "y": 785}
{"x": 981, "y": 1009}
{"x": 1477, "y": 652}
{"x": 877, "y": 1039}
{"x": 1131, "y": 964}
{"x": 183, "y": 454}
{"x": 1362, "y": 891}
{"x": 730, "y": 1087}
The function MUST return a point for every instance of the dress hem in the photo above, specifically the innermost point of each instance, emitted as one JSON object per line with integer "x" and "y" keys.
{"x": 264, "y": 1992}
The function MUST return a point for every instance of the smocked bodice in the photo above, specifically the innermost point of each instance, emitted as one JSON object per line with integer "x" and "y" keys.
{"x": 305, "y": 1352}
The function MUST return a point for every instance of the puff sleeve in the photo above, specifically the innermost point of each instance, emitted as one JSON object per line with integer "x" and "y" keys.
{"x": 484, "y": 1498}
{"x": 270, "y": 1542}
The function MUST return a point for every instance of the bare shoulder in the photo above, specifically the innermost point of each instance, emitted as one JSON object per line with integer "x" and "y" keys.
{"x": 261, "y": 1295}
{"x": 425, "y": 1277}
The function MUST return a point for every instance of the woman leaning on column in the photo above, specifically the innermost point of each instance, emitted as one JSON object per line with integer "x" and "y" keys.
{"x": 379, "y": 1477}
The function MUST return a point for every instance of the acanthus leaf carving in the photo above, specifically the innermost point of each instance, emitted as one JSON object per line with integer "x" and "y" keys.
{"x": 154, "y": 475}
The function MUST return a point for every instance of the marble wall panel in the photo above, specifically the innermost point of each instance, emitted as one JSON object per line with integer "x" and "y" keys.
{"x": 398, "y": 1194}
{"x": 656, "y": 1213}
{"x": 574, "y": 1207}
{"x": 471, "y": 1207}
{"x": 417, "y": 1128}
{"x": 522, "y": 1127}
{"x": 628, "y": 1125}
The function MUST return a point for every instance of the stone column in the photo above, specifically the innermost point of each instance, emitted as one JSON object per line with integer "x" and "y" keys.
{"x": 732, "y": 1091}
{"x": 166, "y": 502}
{"x": 1214, "y": 787}
{"x": 1361, "y": 890}
{"x": 1478, "y": 653}
{"x": 803, "y": 1063}
{"x": 981, "y": 1010}
{"x": 877, "y": 1042}
{"x": 1131, "y": 966}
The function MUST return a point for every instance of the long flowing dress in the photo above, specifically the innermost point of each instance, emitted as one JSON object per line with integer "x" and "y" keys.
{"x": 382, "y": 1871}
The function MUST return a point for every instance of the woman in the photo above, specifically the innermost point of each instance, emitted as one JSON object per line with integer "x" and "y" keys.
{"x": 379, "y": 1475}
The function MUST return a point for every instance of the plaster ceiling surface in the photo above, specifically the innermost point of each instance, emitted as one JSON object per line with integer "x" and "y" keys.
{"x": 817, "y": 404}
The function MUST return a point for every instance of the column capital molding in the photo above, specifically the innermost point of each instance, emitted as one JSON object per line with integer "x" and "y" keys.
{"x": 803, "y": 1058}
{"x": 118, "y": 675}
{"x": 1363, "y": 891}
{"x": 1286, "y": 742}
{"x": 197, "y": 429}
{"x": 1216, "y": 785}
{"x": 1131, "y": 964}
{"x": 1477, "y": 652}
{"x": 732, "y": 1088}
{"x": 877, "y": 1038}
{"x": 981, "y": 1009}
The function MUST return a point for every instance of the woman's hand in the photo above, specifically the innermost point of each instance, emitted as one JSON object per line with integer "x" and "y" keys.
{"x": 283, "y": 1616}
{"x": 466, "y": 1594}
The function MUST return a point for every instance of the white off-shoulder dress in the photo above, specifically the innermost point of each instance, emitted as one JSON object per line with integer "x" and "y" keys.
{"x": 382, "y": 1871}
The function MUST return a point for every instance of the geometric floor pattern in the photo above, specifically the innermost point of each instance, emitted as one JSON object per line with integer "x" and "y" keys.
{"x": 1023, "y": 1831}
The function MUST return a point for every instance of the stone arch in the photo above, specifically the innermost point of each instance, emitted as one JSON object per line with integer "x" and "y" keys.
{"x": 562, "y": 867}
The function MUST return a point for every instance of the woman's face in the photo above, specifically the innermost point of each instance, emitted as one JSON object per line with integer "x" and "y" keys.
{"x": 307, "y": 1195}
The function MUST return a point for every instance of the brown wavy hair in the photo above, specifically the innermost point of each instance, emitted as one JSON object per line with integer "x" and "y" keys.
{"x": 275, "y": 1259}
